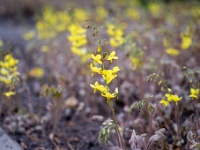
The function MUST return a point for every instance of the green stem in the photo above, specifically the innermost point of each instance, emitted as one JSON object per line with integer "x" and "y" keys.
{"x": 177, "y": 121}
{"x": 116, "y": 124}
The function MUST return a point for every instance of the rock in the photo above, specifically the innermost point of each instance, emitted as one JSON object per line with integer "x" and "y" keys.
{"x": 6, "y": 143}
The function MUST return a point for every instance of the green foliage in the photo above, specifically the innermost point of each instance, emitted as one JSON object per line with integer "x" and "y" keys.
{"x": 104, "y": 134}
{"x": 55, "y": 92}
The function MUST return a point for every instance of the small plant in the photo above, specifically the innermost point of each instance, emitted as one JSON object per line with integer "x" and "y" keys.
{"x": 9, "y": 76}
{"x": 53, "y": 94}
{"x": 108, "y": 75}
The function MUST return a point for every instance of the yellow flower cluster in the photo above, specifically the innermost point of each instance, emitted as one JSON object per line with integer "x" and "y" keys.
{"x": 194, "y": 93}
{"x": 108, "y": 75}
{"x": 8, "y": 72}
{"x": 172, "y": 51}
{"x": 133, "y": 14}
{"x": 170, "y": 98}
{"x": 155, "y": 9}
{"x": 116, "y": 35}
{"x": 78, "y": 40}
{"x": 186, "y": 39}
{"x": 52, "y": 23}
{"x": 102, "y": 13}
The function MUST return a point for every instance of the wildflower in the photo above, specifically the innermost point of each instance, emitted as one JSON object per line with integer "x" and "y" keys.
{"x": 37, "y": 72}
{"x": 186, "y": 42}
{"x": 99, "y": 87}
{"x": 96, "y": 58}
{"x": 115, "y": 70}
{"x": 116, "y": 35}
{"x": 112, "y": 56}
{"x": 4, "y": 71}
{"x": 108, "y": 76}
{"x": 176, "y": 99}
{"x": 172, "y": 97}
{"x": 169, "y": 97}
{"x": 102, "y": 13}
{"x": 95, "y": 69}
{"x": 8, "y": 69}
{"x": 172, "y": 51}
{"x": 108, "y": 95}
{"x": 10, "y": 93}
{"x": 194, "y": 93}
{"x": 164, "y": 102}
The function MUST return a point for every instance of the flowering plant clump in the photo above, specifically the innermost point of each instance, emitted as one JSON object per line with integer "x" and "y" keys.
{"x": 194, "y": 93}
{"x": 116, "y": 35}
{"x": 108, "y": 75}
{"x": 78, "y": 40}
{"x": 169, "y": 97}
{"x": 98, "y": 66}
{"x": 8, "y": 73}
{"x": 52, "y": 23}
{"x": 186, "y": 39}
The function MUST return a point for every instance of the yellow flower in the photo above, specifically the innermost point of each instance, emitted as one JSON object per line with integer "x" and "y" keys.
{"x": 10, "y": 93}
{"x": 99, "y": 49}
{"x": 115, "y": 70}
{"x": 4, "y": 71}
{"x": 98, "y": 87}
{"x": 110, "y": 30}
{"x": 172, "y": 51}
{"x": 194, "y": 93}
{"x": 186, "y": 42}
{"x": 172, "y": 97}
{"x": 108, "y": 76}
{"x": 95, "y": 69}
{"x": 36, "y": 72}
{"x": 113, "y": 42}
{"x": 96, "y": 58}
{"x": 108, "y": 95}
{"x": 176, "y": 99}
{"x": 6, "y": 80}
{"x": 169, "y": 96}
{"x": 112, "y": 56}
{"x": 164, "y": 102}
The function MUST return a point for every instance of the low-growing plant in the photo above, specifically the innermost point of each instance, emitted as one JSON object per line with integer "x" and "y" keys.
{"x": 55, "y": 105}
{"x": 98, "y": 66}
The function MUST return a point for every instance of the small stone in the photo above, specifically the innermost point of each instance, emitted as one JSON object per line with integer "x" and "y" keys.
{"x": 71, "y": 102}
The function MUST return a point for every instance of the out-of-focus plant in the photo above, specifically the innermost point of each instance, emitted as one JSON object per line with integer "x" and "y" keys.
{"x": 169, "y": 97}
{"x": 52, "y": 22}
{"x": 172, "y": 51}
{"x": 9, "y": 77}
{"x": 108, "y": 75}
{"x": 9, "y": 74}
{"x": 155, "y": 9}
{"x": 101, "y": 14}
{"x": 1, "y": 43}
{"x": 78, "y": 41}
{"x": 36, "y": 72}
{"x": 186, "y": 39}
{"x": 55, "y": 105}
{"x": 116, "y": 35}
{"x": 193, "y": 76}
{"x": 133, "y": 13}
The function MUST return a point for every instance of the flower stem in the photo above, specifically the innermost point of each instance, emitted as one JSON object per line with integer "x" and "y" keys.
{"x": 177, "y": 121}
{"x": 116, "y": 125}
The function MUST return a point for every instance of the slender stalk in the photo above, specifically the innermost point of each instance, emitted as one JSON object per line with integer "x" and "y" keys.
{"x": 148, "y": 146}
{"x": 116, "y": 125}
{"x": 177, "y": 121}
{"x": 197, "y": 115}
{"x": 150, "y": 126}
